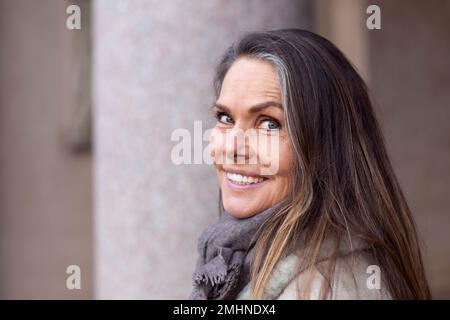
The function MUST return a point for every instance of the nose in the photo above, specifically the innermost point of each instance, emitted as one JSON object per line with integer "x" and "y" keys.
{"x": 240, "y": 146}
{"x": 235, "y": 147}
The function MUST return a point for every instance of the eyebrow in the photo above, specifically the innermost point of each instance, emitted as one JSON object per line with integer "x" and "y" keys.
{"x": 253, "y": 109}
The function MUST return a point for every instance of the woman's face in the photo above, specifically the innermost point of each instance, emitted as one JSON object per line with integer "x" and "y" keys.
{"x": 250, "y": 146}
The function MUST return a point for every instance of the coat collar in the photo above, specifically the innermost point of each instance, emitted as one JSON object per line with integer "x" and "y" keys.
{"x": 286, "y": 269}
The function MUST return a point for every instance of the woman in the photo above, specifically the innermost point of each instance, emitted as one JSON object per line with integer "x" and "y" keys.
{"x": 330, "y": 222}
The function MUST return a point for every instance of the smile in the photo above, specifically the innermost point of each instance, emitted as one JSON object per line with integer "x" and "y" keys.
{"x": 244, "y": 180}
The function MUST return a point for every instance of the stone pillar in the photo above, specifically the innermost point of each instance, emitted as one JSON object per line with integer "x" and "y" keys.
{"x": 153, "y": 63}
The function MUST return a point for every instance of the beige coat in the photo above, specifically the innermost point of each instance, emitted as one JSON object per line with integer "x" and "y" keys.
{"x": 351, "y": 277}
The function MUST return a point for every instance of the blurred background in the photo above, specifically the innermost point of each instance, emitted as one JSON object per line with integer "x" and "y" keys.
{"x": 86, "y": 117}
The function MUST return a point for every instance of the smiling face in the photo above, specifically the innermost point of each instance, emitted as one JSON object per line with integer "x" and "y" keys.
{"x": 251, "y": 149}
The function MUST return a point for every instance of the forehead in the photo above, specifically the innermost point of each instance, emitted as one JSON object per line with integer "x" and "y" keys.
{"x": 250, "y": 81}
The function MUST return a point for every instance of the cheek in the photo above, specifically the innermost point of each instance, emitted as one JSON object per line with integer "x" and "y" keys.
{"x": 277, "y": 157}
{"x": 283, "y": 178}
{"x": 286, "y": 160}
{"x": 215, "y": 143}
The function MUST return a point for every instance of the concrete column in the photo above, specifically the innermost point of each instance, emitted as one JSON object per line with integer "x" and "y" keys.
{"x": 152, "y": 73}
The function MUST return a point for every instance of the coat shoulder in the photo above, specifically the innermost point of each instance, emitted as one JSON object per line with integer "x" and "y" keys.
{"x": 352, "y": 280}
{"x": 352, "y": 277}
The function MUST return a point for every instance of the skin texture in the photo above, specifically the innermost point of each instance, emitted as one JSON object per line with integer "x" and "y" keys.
{"x": 250, "y": 82}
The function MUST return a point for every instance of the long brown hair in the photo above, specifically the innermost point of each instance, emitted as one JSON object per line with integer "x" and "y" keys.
{"x": 343, "y": 182}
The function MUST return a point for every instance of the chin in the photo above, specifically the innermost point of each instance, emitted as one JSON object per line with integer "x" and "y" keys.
{"x": 239, "y": 210}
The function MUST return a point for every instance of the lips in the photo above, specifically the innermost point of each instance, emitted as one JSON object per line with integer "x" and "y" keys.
{"x": 243, "y": 179}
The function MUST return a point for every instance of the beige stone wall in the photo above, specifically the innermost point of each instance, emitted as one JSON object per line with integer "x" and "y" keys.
{"x": 45, "y": 185}
{"x": 410, "y": 70}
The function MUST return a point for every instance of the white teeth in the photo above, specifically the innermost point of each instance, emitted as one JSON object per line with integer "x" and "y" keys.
{"x": 240, "y": 179}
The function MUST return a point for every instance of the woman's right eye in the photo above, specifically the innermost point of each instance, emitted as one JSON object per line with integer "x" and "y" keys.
{"x": 224, "y": 118}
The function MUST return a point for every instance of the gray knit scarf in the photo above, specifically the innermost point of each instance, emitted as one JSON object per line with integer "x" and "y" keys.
{"x": 223, "y": 266}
